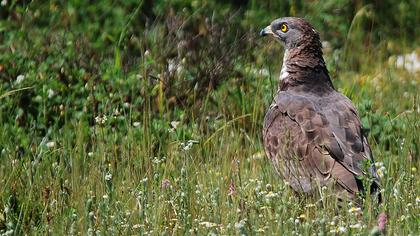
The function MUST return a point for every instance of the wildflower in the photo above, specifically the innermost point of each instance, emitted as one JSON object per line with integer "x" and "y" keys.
{"x": 356, "y": 226}
{"x": 101, "y": 119}
{"x": 50, "y": 93}
{"x": 355, "y": 210}
{"x": 116, "y": 112}
{"x": 165, "y": 184}
{"x": 342, "y": 229}
{"x": 171, "y": 66}
{"x": 381, "y": 171}
{"x": 174, "y": 124}
{"x": 395, "y": 192}
{"x": 50, "y": 144}
{"x": 382, "y": 220}
{"x": 136, "y": 226}
{"x": 231, "y": 188}
{"x": 105, "y": 197}
{"x": 208, "y": 224}
{"x": 240, "y": 225}
{"x": 187, "y": 146}
{"x": 270, "y": 195}
{"x": 136, "y": 124}
{"x": 297, "y": 221}
{"x": 310, "y": 205}
{"x": 108, "y": 177}
{"x": 90, "y": 154}
{"x": 379, "y": 164}
{"x": 19, "y": 79}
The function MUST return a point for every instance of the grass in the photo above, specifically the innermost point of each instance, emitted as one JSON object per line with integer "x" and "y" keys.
{"x": 109, "y": 131}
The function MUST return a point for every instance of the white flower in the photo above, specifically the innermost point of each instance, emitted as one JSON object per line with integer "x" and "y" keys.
{"x": 136, "y": 226}
{"x": 270, "y": 195}
{"x": 342, "y": 229}
{"x": 240, "y": 225}
{"x": 355, "y": 210}
{"x": 136, "y": 124}
{"x": 108, "y": 177}
{"x": 379, "y": 164}
{"x": 188, "y": 145}
{"x": 90, "y": 154}
{"x": 50, "y": 93}
{"x": 19, "y": 79}
{"x": 395, "y": 192}
{"x": 381, "y": 171}
{"x": 171, "y": 66}
{"x": 174, "y": 124}
{"x": 208, "y": 224}
{"x": 116, "y": 112}
{"x": 50, "y": 144}
{"x": 101, "y": 119}
{"x": 356, "y": 226}
{"x": 3, "y": 3}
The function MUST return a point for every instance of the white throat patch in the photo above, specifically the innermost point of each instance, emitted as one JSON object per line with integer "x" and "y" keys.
{"x": 283, "y": 72}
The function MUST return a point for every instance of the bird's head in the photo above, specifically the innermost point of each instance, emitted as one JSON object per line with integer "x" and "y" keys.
{"x": 292, "y": 32}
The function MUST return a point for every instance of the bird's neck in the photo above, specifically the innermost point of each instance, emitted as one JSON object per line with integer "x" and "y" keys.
{"x": 304, "y": 69}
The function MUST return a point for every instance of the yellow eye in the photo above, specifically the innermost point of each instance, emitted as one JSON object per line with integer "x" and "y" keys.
{"x": 283, "y": 28}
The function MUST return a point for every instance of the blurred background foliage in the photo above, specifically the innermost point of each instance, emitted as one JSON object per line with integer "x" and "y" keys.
{"x": 178, "y": 50}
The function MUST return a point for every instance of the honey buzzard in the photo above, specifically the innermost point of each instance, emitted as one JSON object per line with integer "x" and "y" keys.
{"x": 312, "y": 133}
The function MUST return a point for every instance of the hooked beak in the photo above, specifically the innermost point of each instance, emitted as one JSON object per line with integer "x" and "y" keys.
{"x": 266, "y": 31}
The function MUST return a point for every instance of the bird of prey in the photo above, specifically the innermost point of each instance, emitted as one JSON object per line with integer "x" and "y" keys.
{"x": 312, "y": 133}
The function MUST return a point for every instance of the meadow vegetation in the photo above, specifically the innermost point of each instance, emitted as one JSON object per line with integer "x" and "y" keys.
{"x": 145, "y": 117}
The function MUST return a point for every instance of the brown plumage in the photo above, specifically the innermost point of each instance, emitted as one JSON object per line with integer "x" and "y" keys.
{"x": 312, "y": 133}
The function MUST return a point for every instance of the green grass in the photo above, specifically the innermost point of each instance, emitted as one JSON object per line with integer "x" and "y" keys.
{"x": 102, "y": 137}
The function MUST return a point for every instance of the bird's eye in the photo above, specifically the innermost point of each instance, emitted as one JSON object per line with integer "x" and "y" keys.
{"x": 284, "y": 28}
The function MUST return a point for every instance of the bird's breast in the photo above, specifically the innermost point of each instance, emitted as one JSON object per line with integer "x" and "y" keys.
{"x": 283, "y": 72}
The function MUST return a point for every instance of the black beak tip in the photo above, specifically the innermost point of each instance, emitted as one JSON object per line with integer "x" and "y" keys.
{"x": 263, "y": 33}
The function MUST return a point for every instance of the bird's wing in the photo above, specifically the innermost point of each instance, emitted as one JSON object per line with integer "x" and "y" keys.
{"x": 282, "y": 139}
{"x": 344, "y": 122}
{"x": 328, "y": 145}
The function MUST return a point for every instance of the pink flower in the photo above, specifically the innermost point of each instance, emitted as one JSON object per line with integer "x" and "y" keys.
{"x": 231, "y": 188}
{"x": 382, "y": 220}
{"x": 165, "y": 184}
